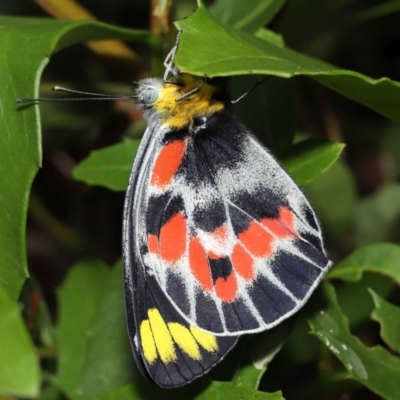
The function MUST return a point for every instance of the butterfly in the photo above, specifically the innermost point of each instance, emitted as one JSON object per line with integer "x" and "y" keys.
{"x": 218, "y": 240}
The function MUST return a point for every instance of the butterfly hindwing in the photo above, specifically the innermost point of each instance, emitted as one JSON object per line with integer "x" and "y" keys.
{"x": 168, "y": 350}
{"x": 184, "y": 351}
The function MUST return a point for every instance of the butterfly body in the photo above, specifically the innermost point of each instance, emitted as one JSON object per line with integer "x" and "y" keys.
{"x": 218, "y": 240}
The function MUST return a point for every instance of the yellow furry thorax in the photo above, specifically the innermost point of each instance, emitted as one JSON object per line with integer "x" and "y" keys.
{"x": 182, "y": 113}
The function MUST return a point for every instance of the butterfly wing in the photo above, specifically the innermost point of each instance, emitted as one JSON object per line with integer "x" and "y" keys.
{"x": 167, "y": 348}
{"x": 227, "y": 235}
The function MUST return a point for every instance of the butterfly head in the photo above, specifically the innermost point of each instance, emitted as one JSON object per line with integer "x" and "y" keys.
{"x": 177, "y": 103}
{"x": 148, "y": 92}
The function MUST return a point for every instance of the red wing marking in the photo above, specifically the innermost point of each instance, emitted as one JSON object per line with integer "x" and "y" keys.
{"x": 167, "y": 163}
{"x": 219, "y": 240}
{"x": 283, "y": 226}
{"x": 226, "y": 288}
{"x": 221, "y": 233}
{"x": 257, "y": 240}
{"x": 242, "y": 262}
{"x": 152, "y": 244}
{"x": 199, "y": 264}
{"x": 286, "y": 218}
{"x": 173, "y": 238}
{"x": 213, "y": 255}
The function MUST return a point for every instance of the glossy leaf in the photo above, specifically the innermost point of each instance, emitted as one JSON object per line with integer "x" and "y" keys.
{"x": 237, "y": 53}
{"x": 78, "y": 301}
{"x": 310, "y": 158}
{"x": 27, "y": 44}
{"x": 270, "y": 36}
{"x": 388, "y": 316}
{"x": 199, "y": 390}
{"x": 383, "y": 258}
{"x": 374, "y": 367}
{"x": 109, "y": 361}
{"x": 19, "y": 364}
{"x": 356, "y": 302}
{"x": 109, "y": 167}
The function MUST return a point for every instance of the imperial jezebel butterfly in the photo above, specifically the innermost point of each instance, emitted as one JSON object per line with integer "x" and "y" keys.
{"x": 218, "y": 241}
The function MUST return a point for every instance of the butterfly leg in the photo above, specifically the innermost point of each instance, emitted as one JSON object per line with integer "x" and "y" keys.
{"x": 169, "y": 61}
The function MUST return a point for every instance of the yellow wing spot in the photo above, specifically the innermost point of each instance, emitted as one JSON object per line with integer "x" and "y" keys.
{"x": 162, "y": 337}
{"x": 178, "y": 114}
{"x": 147, "y": 341}
{"x": 185, "y": 340}
{"x": 206, "y": 340}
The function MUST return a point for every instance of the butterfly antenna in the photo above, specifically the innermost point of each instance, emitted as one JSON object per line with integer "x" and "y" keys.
{"x": 250, "y": 90}
{"x": 98, "y": 96}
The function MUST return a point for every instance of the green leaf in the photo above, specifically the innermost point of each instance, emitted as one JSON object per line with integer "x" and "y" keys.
{"x": 310, "y": 158}
{"x": 27, "y": 45}
{"x": 383, "y": 258}
{"x": 199, "y": 390}
{"x": 246, "y": 15}
{"x": 355, "y": 300}
{"x": 206, "y": 47}
{"x": 78, "y": 301}
{"x": 19, "y": 365}
{"x": 270, "y": 36}
{"x": 109, "y": 167}
{"x": 381, "y": 209}
{"x": 50, "y": 393}
{"x": 262, "y": 351}
{"x": 388, "y": 316}
{"x": 374, "y": 367}
{"x": 109, "y": 361}
{"x": 333, "y": 195}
